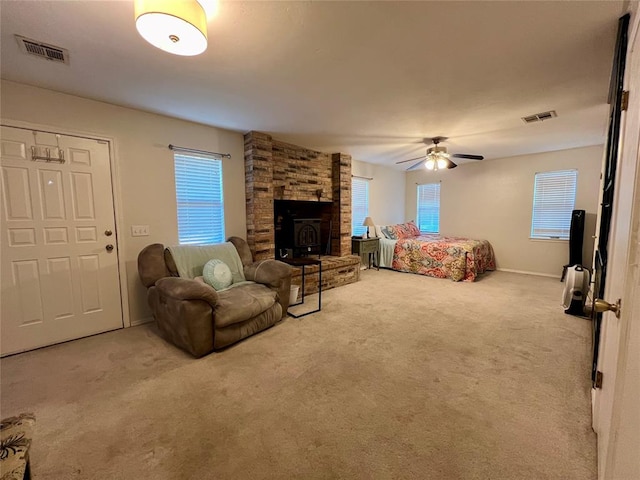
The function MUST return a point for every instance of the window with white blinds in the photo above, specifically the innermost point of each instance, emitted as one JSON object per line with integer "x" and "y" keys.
{"x": 359, "y": 205}
{"x": 554, "y": 197}
{"x": 200, "y": 199}
{"x": 428, "y": 218}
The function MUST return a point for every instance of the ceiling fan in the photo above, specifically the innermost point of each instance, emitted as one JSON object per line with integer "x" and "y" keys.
{"x": 437, "y": 157}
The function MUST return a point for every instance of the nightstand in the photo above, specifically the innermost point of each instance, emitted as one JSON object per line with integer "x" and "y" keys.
{"x": 369, "y": 247}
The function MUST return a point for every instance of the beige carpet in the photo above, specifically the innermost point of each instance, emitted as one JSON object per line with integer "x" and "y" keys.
{"x": 399, "y": 377}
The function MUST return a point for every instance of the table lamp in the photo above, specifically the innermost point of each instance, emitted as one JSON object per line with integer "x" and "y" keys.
{"x": 368, "y": 223}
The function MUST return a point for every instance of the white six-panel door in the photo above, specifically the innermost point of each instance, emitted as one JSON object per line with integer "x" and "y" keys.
{"x": 59, "y": 279}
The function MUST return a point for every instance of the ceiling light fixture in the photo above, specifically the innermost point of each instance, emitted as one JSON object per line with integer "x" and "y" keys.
{"x": 175, "y": 26}
{"x": 437, "y": 158}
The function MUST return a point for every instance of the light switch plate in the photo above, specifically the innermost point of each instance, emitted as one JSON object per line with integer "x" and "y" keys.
{"x": 139, "y": 230}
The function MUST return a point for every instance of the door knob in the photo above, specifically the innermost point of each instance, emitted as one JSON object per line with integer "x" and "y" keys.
{"x": 109, "y": 247}
{"x": 603, "y": 306}
{"x": 108, "y": 233}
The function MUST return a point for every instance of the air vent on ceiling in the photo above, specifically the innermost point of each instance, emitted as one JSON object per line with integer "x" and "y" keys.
{"x": 43, "y": 50}
{"x": 539, "y": 117}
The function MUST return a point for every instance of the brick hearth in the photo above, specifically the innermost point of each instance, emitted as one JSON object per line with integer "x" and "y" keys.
{"x": 336, "y": 271}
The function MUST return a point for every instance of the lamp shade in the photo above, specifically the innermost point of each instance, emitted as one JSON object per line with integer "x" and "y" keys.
{"x": 368, "y": 222}
{"x": 175, "y": 26}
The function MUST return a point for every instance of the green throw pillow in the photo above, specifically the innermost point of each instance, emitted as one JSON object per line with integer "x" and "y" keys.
{"x": 217, "y": 274}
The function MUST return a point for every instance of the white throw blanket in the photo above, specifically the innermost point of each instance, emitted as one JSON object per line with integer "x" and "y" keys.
{"x": 190, "y": 259}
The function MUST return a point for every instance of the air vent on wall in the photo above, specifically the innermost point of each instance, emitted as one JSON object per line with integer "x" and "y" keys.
{"x": 539, "y": 117}
{"x": 43, "y": 50}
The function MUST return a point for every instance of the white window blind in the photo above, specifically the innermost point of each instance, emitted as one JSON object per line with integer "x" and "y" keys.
{"x": 200, "y": 199}
{"x": 359, "y": 205}
{"x": 428, "y": 217}
{"x": 554, "y": 197}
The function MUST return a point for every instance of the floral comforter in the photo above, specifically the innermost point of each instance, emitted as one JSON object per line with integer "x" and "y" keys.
{"x": 444, "y": 257}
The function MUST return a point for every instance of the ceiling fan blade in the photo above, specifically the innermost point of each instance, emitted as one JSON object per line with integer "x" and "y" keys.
{"x": 410, "y": 160}
{"x": 417, "y": 165}
{"x": 470, "y": 157}
{"x": 451, "y": 165}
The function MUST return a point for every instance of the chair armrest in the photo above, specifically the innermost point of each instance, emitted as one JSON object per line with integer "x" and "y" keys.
{"x": 268, "y": 272}
{"x": 184, "y": 289}
{"x": 274, "y": 274}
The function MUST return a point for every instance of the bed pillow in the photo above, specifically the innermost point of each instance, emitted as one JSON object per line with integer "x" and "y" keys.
{"x": 390, "y": 232}
{"x": 217, "y": 274}
{"x": 398, "y": 232}
{"x": 413, "y": 229}
{"x": 403, "y": 231}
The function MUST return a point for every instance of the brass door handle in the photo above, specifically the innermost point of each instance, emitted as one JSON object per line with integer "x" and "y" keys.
{"x": 108, "y": 233}
{"x": 603, "y": 306}
{"x": 109, "y": 247}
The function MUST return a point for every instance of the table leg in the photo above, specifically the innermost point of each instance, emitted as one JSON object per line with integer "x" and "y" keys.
{"x": 319, "y": 293}
{"x": 320, "y": 287}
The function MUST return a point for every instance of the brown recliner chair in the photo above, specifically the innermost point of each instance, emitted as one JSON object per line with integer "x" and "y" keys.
{"x": 197, "y": 318}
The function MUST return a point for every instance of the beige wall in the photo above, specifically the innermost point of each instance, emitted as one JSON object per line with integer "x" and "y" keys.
{"x": 386, "y": 192}
{"x": 493, "y": 200}
{"x": 144, "y": 165}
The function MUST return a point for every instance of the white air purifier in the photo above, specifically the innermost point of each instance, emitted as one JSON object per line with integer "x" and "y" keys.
{"x": 575, "y": 290}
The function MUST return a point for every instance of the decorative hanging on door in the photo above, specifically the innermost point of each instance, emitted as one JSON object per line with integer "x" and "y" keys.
{"x": 43, "y": 153}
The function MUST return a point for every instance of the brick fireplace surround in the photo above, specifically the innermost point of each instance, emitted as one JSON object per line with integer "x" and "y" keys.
{"x": 278, "y": 170}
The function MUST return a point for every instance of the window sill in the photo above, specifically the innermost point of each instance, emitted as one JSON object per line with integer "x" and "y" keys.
{"x": 553, "y": 240}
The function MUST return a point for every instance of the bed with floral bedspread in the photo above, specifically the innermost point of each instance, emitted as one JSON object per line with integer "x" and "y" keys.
{"x": 439, "y": 256}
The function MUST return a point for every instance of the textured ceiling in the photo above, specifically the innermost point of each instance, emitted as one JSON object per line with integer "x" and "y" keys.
{"x": 366, "y": 78}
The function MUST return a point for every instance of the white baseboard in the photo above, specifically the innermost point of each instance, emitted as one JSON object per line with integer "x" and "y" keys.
{"x": 524, "y": 272}
{"x": 141, "y": 321}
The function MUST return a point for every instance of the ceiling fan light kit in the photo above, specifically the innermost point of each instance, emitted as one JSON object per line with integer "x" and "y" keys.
{"x": 436, "y": 164}
{"x": 178, "y": 27}
{"x": 437, "y": 157}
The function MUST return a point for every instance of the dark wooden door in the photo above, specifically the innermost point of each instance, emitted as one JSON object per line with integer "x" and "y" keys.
{"x": 611, "y": 161}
